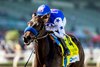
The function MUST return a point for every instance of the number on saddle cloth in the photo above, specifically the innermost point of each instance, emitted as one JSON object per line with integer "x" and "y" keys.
{"x": 74, "y": 51}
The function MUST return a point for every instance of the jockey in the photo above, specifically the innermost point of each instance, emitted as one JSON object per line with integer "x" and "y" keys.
{"x": 54, "y": 21}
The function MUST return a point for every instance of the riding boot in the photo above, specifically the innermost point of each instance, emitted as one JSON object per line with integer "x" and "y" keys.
{"x": 66, "y": 50}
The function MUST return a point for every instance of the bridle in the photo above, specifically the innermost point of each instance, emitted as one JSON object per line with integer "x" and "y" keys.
{"x": 35, "y": 39}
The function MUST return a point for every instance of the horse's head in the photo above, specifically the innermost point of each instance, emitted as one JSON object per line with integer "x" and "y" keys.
{"x": 34, "y": 31}
{"x": 28, "y": 35}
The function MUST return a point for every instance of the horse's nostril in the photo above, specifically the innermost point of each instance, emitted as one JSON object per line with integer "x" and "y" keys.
{"x": 28, "y": 37}
{"x": 25, "y": 40}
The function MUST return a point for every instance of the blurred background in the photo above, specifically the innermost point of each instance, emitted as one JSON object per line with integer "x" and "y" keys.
{"x": 83, "y": 20}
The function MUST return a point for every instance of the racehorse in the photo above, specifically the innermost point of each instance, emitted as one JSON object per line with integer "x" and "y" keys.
{"x": 48, "y": 53}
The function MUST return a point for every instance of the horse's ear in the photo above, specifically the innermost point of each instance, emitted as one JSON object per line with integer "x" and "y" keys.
{"x": 34, "y": 14}
{"x": 36, "y": 18}
{"x": 33, "y": 21}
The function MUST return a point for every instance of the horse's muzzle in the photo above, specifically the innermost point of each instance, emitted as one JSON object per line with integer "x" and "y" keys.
{"x": 27, "y": 40}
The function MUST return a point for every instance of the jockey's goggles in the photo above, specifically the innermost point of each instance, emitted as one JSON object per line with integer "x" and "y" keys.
{"x": 44, "y": 17}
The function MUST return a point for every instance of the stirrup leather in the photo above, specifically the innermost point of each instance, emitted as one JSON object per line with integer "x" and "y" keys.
{"x": 53, "y": 37}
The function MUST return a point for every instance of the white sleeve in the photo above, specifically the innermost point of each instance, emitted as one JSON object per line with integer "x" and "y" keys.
{"x": 60, "y": 28}
{"x": 64, "y": 21}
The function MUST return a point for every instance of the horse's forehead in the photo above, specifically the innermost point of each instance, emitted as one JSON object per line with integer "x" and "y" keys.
{"x": 27, "y": 33}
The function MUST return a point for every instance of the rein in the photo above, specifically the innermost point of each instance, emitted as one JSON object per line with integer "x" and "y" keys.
{"x": 36, "y": 38}
{"x": 36, "y": 52}
{"x": 36, "y": 48}
{"x": 41, "y": 34}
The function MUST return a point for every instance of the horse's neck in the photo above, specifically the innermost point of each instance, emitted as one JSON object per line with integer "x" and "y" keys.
{"x": 43, "y": 49}
{"x": 43, "y": 46}
{"x": 47, "y": 52}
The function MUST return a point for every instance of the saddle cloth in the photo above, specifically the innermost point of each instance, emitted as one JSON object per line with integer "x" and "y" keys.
{"x": 74, "y": 51}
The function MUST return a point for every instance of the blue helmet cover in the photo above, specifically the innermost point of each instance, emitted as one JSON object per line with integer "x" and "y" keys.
{"x": 43, "y": 10}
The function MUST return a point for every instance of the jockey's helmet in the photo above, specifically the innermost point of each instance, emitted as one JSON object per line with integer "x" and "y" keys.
{"x": 43, "y": 10}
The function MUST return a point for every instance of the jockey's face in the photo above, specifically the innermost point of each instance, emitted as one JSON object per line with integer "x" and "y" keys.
{"x": 45, "y": 18}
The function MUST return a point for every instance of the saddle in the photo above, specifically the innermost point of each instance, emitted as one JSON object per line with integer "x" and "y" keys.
{"x": 74, "y": 51}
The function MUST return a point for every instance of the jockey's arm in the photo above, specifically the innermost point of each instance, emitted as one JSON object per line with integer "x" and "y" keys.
{"x": 60, "y": 28}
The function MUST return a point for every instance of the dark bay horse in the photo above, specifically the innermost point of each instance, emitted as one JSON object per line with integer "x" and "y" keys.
{"x": 48, "y": 53}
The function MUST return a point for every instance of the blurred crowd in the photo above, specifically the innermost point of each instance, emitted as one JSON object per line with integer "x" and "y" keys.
{"x": 12, "y": 48}
{"x": 90, "y": 40}
{"x": 83, "y": 22}
{"x": 11, "y": 40}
